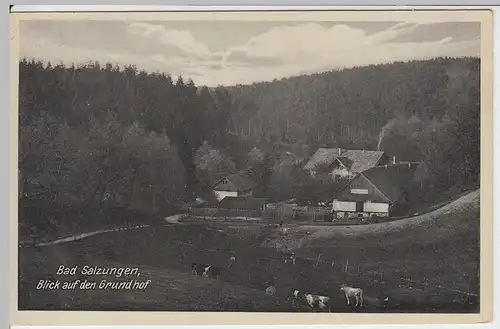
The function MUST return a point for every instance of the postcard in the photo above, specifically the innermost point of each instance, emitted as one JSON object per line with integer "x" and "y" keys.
{"x": 251, "y": 167}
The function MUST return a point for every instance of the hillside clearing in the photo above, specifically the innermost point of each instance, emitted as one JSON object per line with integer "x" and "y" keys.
{"x": 441, "y": 249}
{"x": 170, "y": 290}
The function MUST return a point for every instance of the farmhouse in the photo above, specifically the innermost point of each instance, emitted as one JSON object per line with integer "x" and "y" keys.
{"x": 379, "y": 191}
{"x": 344, "y": 163}
{"x": 235, "y": 185}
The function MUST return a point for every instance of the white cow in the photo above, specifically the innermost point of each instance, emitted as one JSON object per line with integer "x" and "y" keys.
{"x": 313, "y": 301}
{"x": 271, "y": 290}
{"x": 231, "y": 262}
{"x": 351, "y": 292}
{"x": 211, "y": 272}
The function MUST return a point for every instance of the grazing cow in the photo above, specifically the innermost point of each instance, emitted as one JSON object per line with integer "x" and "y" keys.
{"x": 271, "y": 290}
{"x": 293, "y": 258}
{"x": 351, "y": 292}
{"x": 212, "y": 271}
{"x": 198, "y": 269}
{"x": 313, "y": 301}
{"x": 232, "y": 259}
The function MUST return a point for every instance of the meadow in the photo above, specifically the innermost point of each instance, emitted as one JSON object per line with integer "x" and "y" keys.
{"x": 439, "y": 250}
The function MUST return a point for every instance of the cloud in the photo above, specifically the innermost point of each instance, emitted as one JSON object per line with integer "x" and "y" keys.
{"x": 313, "y": 46}
{"x": 279, "y": 52}
{"x": 182, "y": 40}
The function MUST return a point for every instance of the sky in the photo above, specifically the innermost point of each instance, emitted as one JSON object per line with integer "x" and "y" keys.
{"x": 242, "y": 52}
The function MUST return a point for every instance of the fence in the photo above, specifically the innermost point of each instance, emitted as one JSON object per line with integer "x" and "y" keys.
{"x": 225, "y": 213}
{"x": 275, "y": 213}
{"x": 270, "y": 213}
{"x": 296, "y": 213}
{"x": 382, "y": 277}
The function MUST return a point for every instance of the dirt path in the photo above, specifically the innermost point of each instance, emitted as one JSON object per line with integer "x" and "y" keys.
{"x": 81, "y": 236}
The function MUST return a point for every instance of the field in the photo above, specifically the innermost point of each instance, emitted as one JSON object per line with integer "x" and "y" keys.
{"x": 439, "y": 249}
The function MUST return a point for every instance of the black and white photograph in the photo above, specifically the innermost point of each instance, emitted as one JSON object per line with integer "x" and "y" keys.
{"x": 251, "y": 165}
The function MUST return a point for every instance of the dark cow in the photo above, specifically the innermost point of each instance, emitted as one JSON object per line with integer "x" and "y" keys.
{"x": 198, "y": 269}
{"x": 212, "y": 271}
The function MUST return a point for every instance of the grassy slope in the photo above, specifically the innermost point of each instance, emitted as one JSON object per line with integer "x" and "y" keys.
{"x": 442, "y": 246}
{"x": 169, "y": 290}
{"x": 426, "y": 249}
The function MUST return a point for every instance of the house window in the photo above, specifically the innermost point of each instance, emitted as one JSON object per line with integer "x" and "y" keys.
{"x": 359, "y": 191}
{"x": 359, "y": 206}
{"x": 225, "y": 181}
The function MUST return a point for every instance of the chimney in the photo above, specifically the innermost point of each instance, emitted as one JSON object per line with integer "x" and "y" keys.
{"x": 340, "y": 151}
{"x": 394, "y": 160}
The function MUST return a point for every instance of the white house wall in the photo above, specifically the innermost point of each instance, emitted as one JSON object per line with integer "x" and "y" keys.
{"x": 368, "y": 206}
{"x": 376, "y": 207}
{"x": 222, "y": 194}
{"x": 343, "y": 205}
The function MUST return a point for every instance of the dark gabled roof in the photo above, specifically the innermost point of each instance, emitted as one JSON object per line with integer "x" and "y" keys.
{"x": 421, "y": 172}
{"x": 240, "y": 181}
{"x": 322, "y": 156}
{"x": 241, "y": 202}
{"x": 362, "y": 160}
{"x": 392, "y": 180}
{"x": 355, "y": 160}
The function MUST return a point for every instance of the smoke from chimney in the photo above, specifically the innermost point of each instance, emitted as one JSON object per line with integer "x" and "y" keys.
{"x": 339, "y": 150}
{"x": 385, "y": 131}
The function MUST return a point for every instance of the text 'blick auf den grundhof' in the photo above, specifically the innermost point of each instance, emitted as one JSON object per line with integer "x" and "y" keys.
{"x": 85, "y": 284}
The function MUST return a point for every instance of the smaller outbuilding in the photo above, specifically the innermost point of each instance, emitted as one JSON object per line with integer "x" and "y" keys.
{"x": 240, "y": 184}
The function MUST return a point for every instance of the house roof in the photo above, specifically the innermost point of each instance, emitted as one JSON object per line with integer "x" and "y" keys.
{"x": 240, "y": 181}
{"x": 393, "y": 179}
{"x": 321, "y": 156}
{"x": 355, "y": 160}
{"x": 239, "y": 202}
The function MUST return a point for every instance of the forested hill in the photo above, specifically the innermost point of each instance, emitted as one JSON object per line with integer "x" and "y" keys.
{"x": 351, "y": 107}
{"x": 100, "y": 132}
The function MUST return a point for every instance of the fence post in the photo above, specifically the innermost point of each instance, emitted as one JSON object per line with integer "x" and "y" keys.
{"x": 467, "y": 296}
{"x": 346, "y": 266}
{"x": 317, "y": 261}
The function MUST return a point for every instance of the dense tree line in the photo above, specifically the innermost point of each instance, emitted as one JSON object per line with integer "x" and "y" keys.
{"x": 419, "y": 110}
{"x": 95, "y": 134}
